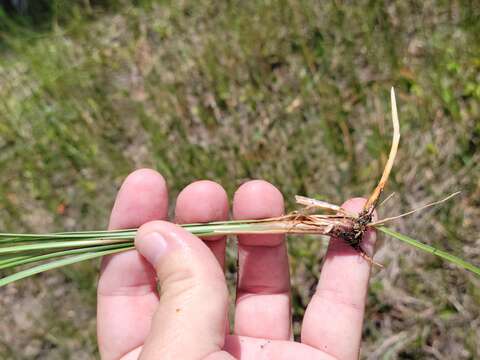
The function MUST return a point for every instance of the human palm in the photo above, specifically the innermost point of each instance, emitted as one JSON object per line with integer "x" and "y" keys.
{"x": 188, "y": 319}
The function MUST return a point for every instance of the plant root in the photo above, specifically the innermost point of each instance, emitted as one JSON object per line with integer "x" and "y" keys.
{"x": 364, "y": 219}
{"x": 369, "y": 259}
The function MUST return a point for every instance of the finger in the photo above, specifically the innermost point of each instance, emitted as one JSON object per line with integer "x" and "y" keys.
{"x": 189, "y": 322}
{"x": 201, "y": 202}
{"x": 334, "y": 318}
{"x": 263, "y": 289}
{"x": 127, "y": 287}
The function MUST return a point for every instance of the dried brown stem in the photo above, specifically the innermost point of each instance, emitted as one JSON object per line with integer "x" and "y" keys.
{"x": 373, "y": 199}
{"x": 298, "y": 223}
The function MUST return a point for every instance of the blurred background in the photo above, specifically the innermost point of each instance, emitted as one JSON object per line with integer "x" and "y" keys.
{"x": 292, "y": 91}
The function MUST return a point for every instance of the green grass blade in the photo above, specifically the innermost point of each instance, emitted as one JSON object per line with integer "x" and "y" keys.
{"x": 431, "y": 250}
{"x": 82, "y": 235}
{"x": 210, "y": 229}
{"x": 9, "y": 258}
{"x": 213, "y": 228}
{"x": 56, "y": 264}
{"x": 62, "y": 244}
{"x": 22, "y": 260}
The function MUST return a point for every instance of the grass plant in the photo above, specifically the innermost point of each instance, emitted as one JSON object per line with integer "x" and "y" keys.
{"x": 21, "y": 249}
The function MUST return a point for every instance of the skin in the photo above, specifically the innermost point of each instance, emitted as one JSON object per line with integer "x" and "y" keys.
{"x": 188, "y": 320}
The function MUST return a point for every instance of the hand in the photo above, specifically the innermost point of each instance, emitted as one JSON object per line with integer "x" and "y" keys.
{"x": 189, "y": 319}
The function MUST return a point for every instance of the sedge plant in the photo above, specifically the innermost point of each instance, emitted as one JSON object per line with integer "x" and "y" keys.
{"x": 50, "y": 251}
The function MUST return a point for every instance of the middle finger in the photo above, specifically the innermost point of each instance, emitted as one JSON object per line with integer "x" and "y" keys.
{"x": 263, "y": 289}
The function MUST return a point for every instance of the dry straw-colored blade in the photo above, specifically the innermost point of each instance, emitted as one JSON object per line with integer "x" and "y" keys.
{"x": 373, "y": 199}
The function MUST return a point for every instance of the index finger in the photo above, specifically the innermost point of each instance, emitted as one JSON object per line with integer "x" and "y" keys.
{"x": 127, "y": 293}
{"x": 334, "y": 318}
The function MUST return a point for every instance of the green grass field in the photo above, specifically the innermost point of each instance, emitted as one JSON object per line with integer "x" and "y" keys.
{"x": 292, "y": 91}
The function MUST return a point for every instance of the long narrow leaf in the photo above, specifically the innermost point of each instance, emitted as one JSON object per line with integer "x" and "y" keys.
{"x": 55, "y": 264}
{"x": 14, "y": 238}
{"x": 63, "y": 244}
{"x": 10, "y": 259}
{"x": 431, "y": 250}
{"x": 29, "y": 259}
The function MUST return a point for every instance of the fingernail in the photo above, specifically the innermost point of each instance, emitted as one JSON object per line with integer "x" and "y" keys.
{"x": 152, "y": 246}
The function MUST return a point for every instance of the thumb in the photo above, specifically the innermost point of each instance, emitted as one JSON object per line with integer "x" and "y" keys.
{"x": 189, "y": 322}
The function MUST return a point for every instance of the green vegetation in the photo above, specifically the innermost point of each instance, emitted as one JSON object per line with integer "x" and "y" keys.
{"x": 292, "y": 91}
